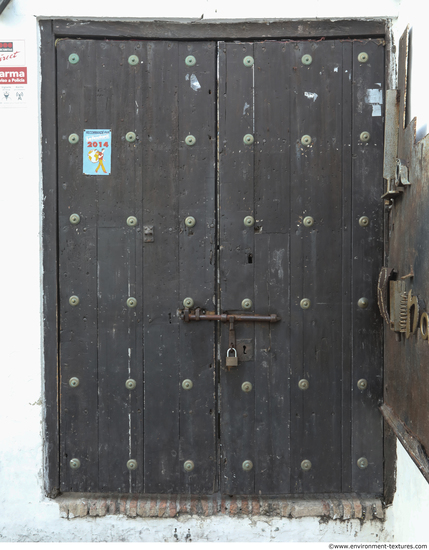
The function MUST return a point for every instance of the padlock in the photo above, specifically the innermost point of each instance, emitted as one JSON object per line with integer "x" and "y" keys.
{"x": 231, "y": 360}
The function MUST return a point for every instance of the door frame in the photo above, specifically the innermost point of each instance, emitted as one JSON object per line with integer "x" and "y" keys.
{"x": 50, "y": 31}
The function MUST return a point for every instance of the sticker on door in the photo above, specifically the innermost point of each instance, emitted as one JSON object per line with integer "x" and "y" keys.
{"x": 97, "y": 155}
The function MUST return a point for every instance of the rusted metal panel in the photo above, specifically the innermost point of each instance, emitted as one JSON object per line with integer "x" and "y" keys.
{"x": 406, "y": 384}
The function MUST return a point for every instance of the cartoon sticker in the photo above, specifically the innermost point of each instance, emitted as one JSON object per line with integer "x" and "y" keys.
{"x": 97, "y": 152}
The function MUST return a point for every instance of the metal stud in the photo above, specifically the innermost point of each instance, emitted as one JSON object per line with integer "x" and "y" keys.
{"x": 307, "y": 59}
{"x": 308, "y": 221}
{"x": 130, "y": 384}
{"x": 306, "y": 140}
{"x": 74, "y": 463}
{"x": 73, "y": 300}
{"x": 74, "y": 382}
{"x": 362, "y": 384}
{"x": 190, "y": 221}
{"x": 249, "y": 221}
{"x": 363, "y": 57}
{"x": 364, "y": 221}
{"x": 303, "y": 384}
{"x": 246, "y": 303}
{"x": 305, "y": 303}
{"x": 133, "y": 60}
{"x": 73, "y": 58}
{"x": 248, "y": 61}
{"x": 190, "y": 61}
{"x": 188, "y": 466}
{"x": 306, "y": 465}
{"x": 188, "y": 302}
{"x": 131, "y": 221}
{"x": 247, "y": 465}
{"x": 130, "y": 137}
{"x": 74, "y": 219}
{"x": 365, "y": 136}
{"x": 363, "y": 303}
{"x": 246, "y": 387}
{"x": 73, "y": 138}
{"x": 131, "y": 302}
{"x": 187, "y": 384}
{"x": 362, "y": 463}
{"x": 132, "y": 464}
{"x": 190, "y": 140}
{"x": 248, "y": 139}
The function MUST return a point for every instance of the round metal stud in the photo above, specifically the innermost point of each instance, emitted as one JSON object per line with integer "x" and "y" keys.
{"x": 306, "y": 140}
{"x": 131, "y": 302}
{"x": 190, "y": 140}
{"x": 249, "y": 221}
{"x": 363, "y": 57}
{"x": 73, "y": 58}
{"x": 190, "y": 61}
{"x": 190, "y": 221}
{"x": 364, "y": 221}
{"x": 73, "y": 300}
{"x": 246, "y": 303}
{"x": 131, "y": 221}
{"x": 363, "y": 303}
{"x": 74, "y": 219}
{"x": 362, "y": 463}
{"x": 308, "y": 221}
{"x": 424, "y": 326}
{"x": 248, "y": 61}
{"x": 246, "y": 387}
{"x": 130, "y": 384}
{"x": 305, "y": 303}
{"x": 306, "y": 465}
{"x": 188, "y": 466}
{"x": 73, "y": 138}
{"x": 74, "y": 382}
{"x": 247, "y": 465}
{"x": 307, "y": 59}
{"x": 365, "y": 136}
{"x": 130, "y": 137}
{"x": 303, "y": 384}
{"x": 188, "y": 302}
{"x": 248, "y": 139}
{"x": 362, "y": 384}
{"x": 133, "y": 60}
{"x": 187, "y": 384}
{"x": 132, "y": 464}
{"x": 74, "y": 463}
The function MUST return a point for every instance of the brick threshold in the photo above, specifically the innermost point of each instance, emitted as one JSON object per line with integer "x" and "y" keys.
{"x": 329, "y": 506}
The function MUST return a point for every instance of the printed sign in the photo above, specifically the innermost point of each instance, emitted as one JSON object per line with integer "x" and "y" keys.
{"x": 97, "y": 152}
{"x": 13, "y": 73}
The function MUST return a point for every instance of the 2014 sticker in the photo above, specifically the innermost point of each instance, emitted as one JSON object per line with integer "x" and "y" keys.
{"x": 97, "y": 152}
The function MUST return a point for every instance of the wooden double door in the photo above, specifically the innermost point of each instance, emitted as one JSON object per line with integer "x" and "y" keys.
{"x": 244, "y": 179}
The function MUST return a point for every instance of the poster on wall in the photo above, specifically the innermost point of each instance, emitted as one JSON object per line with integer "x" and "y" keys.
{"x": 97, "y": 155}
{"x": 13, "y": 74}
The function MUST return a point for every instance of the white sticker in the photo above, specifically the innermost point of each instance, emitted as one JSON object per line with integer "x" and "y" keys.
{"x": 195, "y": 85}
{"x": 311, "y": 95}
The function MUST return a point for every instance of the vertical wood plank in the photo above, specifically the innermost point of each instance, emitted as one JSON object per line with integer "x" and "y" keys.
{"x": 77, "y": 273}
{"x": 161, "y": 296}
{"x": 316, "y": 332}
{"x": 236, "y": 180}
{"x": 271, "y": 262}
{"x": 197, "y": 253}
{"x": 367, "y": 182}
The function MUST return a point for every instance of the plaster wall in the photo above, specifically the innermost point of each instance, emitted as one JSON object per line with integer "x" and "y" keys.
{"x": 26, "y": 514}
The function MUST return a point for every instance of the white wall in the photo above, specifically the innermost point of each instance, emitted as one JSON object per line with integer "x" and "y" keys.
{"x": 26, "y": 515}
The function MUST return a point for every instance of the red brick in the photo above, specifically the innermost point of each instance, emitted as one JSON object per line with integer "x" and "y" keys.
{"x": 193, "y": 509}
{"x": 378, "y": 511}
{"x": 223, "y": 506}
{"x": 102, "y": 507}
{"x": 286, "y": 508}
{"x": 255, "y": 506}
{"x": 132, "y": 513}
{"x": 92, "y": 504}
{"x": 153, "y": 512}
{"x": 183, "y": 505}
{"x": 245, "y": 506}
{"x": 123, "y": 506}
{"x": 347, "y": 509}
{"x": 172, "y": 509}
{"x": 205, "y": 506}
{"x": 233, "y": 506}
{"x": 162, "y": 507}
{"x": 357, "y": 507}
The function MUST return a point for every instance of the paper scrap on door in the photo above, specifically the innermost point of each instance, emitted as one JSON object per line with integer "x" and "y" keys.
{"x": 97, "y": 152}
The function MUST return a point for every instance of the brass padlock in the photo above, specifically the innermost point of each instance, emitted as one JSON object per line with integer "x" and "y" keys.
{"x": 231, "y": 360}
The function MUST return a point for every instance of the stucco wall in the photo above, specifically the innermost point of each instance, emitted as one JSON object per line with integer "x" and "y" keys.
{"x": 26, "y": 515}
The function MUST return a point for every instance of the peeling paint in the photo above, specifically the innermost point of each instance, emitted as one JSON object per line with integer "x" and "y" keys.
{"x": 195, "y": 85}
{"x": 311, "y": 95}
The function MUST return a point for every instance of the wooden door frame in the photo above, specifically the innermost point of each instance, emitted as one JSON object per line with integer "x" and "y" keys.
{"x": 50, "y": 31}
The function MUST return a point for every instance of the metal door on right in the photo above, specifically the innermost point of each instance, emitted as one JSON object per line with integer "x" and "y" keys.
{"x": 310, "y": 175}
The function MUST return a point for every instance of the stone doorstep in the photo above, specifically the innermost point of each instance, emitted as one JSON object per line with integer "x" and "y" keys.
{"x": 332, "y": 506}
